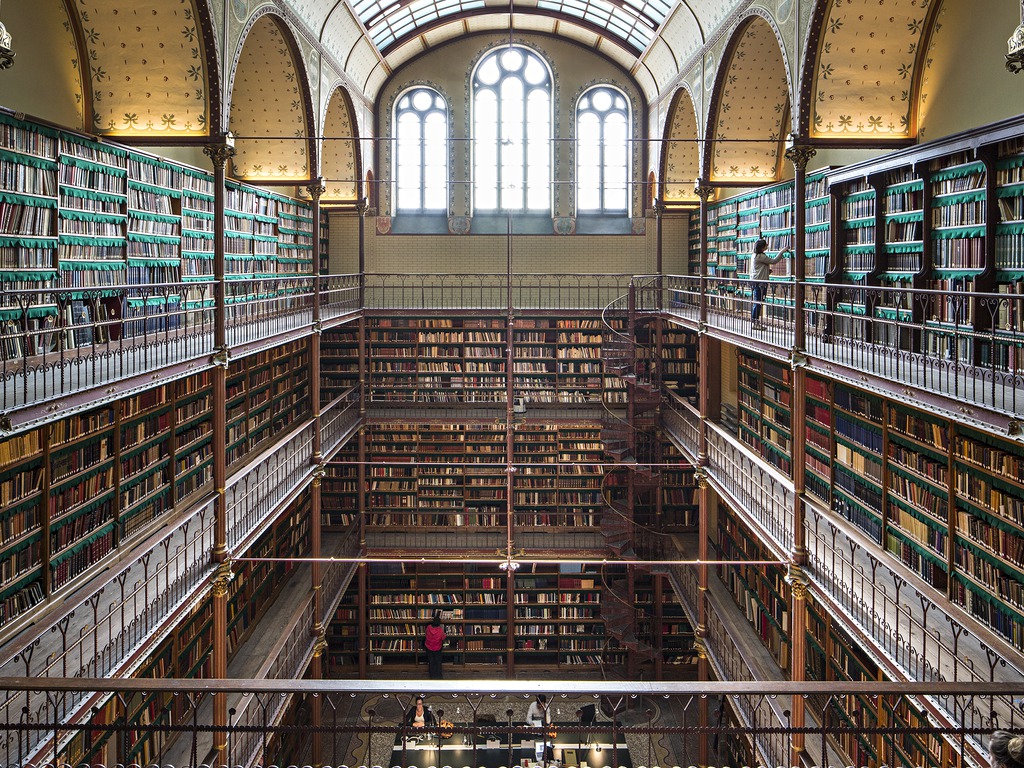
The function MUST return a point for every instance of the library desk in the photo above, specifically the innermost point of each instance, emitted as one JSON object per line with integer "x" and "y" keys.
{"x": 492, "y": 751}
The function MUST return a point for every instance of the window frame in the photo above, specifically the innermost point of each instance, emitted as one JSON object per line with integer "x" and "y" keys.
{"x": 500, "y": 191}
{"x": 397, "y": 112}
{"x": 627, "y": 110}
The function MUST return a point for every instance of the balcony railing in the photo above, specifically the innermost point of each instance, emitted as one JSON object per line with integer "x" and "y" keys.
{"x": 338, "y": 420}
{"x": 430, "y": 291}
{"x": 104, "y": 630}
{"x": 262, "y": 487}
{"x": 968, "y": 346}
{"x": 647, "y": 713}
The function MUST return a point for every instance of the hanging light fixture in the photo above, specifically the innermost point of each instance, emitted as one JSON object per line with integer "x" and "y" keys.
{"x": 6, "y": 54}
{"x": 1015, "y": 47}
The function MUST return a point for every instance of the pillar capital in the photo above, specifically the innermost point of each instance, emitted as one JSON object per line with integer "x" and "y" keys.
{"x": 799, "y": 153}
{"x": 316, "y": 188}
{"x": 221, "y": 578}
{"x": 221, "y": 150}
{"x": 703, "y": 190}
{"x": 798, "y": 582}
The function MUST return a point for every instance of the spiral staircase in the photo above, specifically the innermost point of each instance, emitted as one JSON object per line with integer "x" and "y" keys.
{"x": 631, "y": 480}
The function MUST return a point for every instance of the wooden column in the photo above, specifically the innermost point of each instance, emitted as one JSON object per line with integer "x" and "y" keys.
{"x": 317, "y": 668}
{"x": 219, "y": 153}
{"x": 704, "y": 192}
{"x": 799, "y": 155}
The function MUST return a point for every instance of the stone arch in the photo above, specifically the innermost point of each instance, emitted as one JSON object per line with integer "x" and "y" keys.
{"x": 750, "y": 106}
{"x": 271, "y": 107}
{"x": 862, "y": 77}
{"x": 341, "y": 165}
{"x": 680, "y": 155}
{"x": 151, "y": 67}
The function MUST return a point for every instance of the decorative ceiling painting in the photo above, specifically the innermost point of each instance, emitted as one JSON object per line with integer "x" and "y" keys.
{"x": 339, "y": 167}
{"x": 269, "y": 101}
{"x": 681, "y": 152}
{"x": 752, "y": 112}
{"x": 867, "y": 69}
{"x": 147, "y": 66}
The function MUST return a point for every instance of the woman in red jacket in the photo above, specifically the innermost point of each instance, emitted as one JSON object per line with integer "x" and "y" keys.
{"x": 433, "y": 641}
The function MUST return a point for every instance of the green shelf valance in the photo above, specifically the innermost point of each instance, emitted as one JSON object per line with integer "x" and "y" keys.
{"x": 822, "y": 227}
{"x": 291, "y": 260}
{"x": 1009, "y": 273}
{"x": 295, "y": 246}
{"x": 862, "y": 223}
{"x": 893, "y": 313}
{"x": 198, "y": 255}
{"x": 915, "y": 246}
{"x": 818, "y": 201}
{"x": 33, "y": 312}
{"x": 748, "y": 225}
{"x": 89, "y": 165}
{"x": 777, "y": 232}
{"x": 89, "y": 194}
{"x": 135, "y": 237}
{"x": 855, "y": 277}
{"x": 959, "y": 171}
{"x": 20, "y": 241}
{"x": 93, "y": 144}
{"x": 1015, "y": 161}
{"x": 199, "y": 215}
{"x": 955, "y": 198}
{"x": 904, "y": 217}
{"x": 159, "y": 262}
{"x": 102, "y": 532}
{"x": 156, "y": 190}
{"x": 198, "y": 234}
{"x": 152, "y": 301}
{"x": 42, "y": 130}
{"x": 914, "y": 185}
{"x": 896, "y": 277}
{"x": 35, "y": 275}
{"x": 777, "y": 208}
{"x": 197, "y": 279}
{"x": 864, "y": 194}
{"x": 163, "y": 218}
{"x": 196, "y": 303}
{"x": 197, "y": 195}
{"x": 1011, "y": 190}
{"x": 952, "y": 273}
{"x": 290, "y": 231}
{"x": 73, "y": 214}
{"x": 246, "y": 257}
{"x": 959, "y": 233}
{"x": 85, "y": 266}
{"x": 28, "y": 199}
{"x": 1010, "y": 228}
{"x": 293, "y": 217}
{"x": 80, "y": 240}
{"x": 859, "y": 249}
{"x": 25, "y": 159}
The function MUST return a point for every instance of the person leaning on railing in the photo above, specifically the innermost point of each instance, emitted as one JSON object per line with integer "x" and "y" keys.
{"x": 760, "y": 272}
{"x": 1006, "y": 750}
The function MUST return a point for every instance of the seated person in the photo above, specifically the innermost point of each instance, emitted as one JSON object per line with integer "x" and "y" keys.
{"x": 419, "y": 716}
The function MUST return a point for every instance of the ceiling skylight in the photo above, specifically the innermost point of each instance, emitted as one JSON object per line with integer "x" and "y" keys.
{"x": 633, "y": 22}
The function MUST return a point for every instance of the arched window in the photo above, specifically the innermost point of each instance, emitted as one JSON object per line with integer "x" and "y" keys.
{"x": 421, "y": 154}
{"x": 512, "y": 132}
{"x": 602, "y": 152}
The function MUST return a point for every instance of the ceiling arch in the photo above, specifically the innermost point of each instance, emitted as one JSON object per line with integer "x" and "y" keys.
{"x": 151, "y": 67}
{"x": 270, "y": 105}
{"x": 340, "y": 166}
{"x": 680, "y": 157}
{"x": 863, "y": 80}
{"x": 750, "y": 107}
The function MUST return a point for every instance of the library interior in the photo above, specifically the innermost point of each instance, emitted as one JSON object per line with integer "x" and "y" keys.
{"x": 669, "y": 352}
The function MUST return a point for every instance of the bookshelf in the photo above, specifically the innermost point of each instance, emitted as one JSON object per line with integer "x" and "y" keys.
{"x": 556, "y": 616}
{"x": 939, "y": 496}
{"x": 765, "y": 394}
{"x": 340, "y": 489}
{"x": 339, "y": 362}
{"x": 81, "y": 217}
{"x": 761, "y": 592}
{"x": 343, "y": 635}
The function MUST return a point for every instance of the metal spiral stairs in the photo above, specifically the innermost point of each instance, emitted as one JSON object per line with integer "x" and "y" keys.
{"x": 629, "y": 435}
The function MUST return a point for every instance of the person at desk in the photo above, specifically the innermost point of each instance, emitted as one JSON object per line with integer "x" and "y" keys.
{"x": 539, "y": 716}
{"x": 419, "y": 716}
